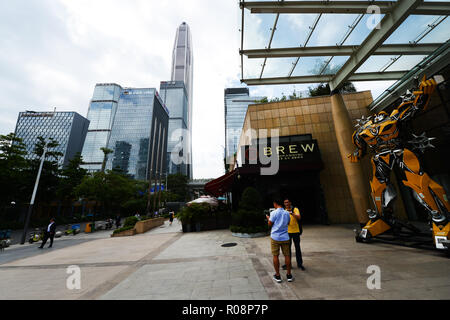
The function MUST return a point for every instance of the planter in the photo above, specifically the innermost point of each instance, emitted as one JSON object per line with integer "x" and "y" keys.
{"x": 126, "y": 233}
{"x": 250, "y": 235}
{"x": 146, "y": 225}
{"x": 186, "y": 227}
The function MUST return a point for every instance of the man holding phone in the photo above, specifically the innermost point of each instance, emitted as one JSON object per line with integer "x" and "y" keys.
{"x": 279, "y": 239}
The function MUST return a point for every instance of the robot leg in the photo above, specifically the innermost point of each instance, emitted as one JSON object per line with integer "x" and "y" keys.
{"x": 383, "y": 194}
{"x": 431, "y": 195}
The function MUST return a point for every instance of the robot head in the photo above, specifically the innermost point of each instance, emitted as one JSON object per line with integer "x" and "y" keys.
{"x": 380, "y": 117}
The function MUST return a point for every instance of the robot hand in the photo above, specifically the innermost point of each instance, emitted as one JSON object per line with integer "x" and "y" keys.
{"x": 423, "y": 95}
{"x": 355, "y": 156}
{"x": 427, "y": 86}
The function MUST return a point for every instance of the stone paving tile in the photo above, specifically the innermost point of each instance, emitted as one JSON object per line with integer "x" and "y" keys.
{"x": 195, "y": 266}
{"x": 210, "y": 293}
{"x": 260, "y": 295}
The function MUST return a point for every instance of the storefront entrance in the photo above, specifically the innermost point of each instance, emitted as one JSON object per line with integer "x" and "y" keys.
{"x": 297, "y": 178}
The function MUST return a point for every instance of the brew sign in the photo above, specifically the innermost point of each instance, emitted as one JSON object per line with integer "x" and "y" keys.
{"x": 299, "y": 151}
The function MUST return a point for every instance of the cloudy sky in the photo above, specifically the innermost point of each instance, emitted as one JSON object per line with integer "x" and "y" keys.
{"x": 53, "y": 52}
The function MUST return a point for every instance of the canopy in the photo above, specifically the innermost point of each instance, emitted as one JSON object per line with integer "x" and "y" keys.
{"x": 206, "y": 199}
{"x": 221, "y": 185}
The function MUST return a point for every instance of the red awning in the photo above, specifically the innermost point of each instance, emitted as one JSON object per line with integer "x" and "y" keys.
{"x": 220, "y": 185}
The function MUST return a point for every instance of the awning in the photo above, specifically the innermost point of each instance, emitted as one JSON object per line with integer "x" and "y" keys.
{"x": 220, "y": 185}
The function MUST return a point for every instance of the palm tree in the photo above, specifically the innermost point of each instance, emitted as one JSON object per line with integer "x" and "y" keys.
{"x": 106, "y": 151}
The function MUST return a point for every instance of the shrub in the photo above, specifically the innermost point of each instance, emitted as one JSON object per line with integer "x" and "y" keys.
{"x": 196, "y": 212}
{"x": 123, "y": 229}
{"x": 130, "y": 221}
{"x": 250, "y": 215}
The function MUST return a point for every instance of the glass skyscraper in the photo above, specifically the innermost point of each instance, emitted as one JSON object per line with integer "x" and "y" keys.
{"x": 67, "y": 128}
{"x": 102, "y": 111}
{"x": 133, "y": 122}
{"x": 182, "y": 70}
{"x": 139, "y": 134}
{"x": 236, "y": 105}
{"x": 174, "y": 96}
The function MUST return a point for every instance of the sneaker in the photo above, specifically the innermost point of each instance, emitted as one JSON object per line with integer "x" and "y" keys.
{"x": 277, "y": 278}
{"x": 302, "y": 267}
{"x": 289, "y": 277}
{"x": 284, "y": 267}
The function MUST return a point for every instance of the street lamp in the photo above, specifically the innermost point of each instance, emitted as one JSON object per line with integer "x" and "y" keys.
{"x": 33, "y": 196}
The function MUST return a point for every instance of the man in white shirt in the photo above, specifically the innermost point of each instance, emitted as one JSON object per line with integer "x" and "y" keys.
{"x": 49, "y": 233}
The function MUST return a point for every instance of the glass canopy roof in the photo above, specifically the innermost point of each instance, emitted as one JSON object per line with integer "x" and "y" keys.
{"x": 287, "y": 42}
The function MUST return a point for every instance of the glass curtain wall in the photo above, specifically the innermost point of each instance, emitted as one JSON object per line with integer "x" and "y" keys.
{"x": 101, "y": 114}
{"x": 236, "y": 105}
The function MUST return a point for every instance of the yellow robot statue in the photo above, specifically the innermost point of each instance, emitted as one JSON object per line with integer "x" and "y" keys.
{"x": 387, "y": 137}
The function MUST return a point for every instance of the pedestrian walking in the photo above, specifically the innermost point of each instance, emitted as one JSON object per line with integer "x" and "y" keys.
{"x": 49, "y": 233}
{"x": 279, "y": 220}
{"x": 295, "y": 231}
{"x": 171, "y": 215}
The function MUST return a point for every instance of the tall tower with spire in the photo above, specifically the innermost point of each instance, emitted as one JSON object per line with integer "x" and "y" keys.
{"x": 182, "y": 73}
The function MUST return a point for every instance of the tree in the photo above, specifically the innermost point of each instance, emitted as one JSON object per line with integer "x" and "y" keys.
{"x": 106, "y": 151}
{"x": 12, "y": 165}
{"x": 250, "y": 215}
{"x": 323, "y": 89}
{"x": 71, "y": 176}
{"x": 177, "y": 184}
{"x": 109, "y": 189}
{"x": 49, "y": 180}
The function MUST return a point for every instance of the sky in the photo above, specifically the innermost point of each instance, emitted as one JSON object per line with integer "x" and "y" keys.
{"x": 53, "y": 52}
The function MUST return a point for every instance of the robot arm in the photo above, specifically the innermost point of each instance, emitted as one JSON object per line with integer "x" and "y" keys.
{"x": 361, "y": 148}
{"x": 423, "y": 95}
{"x": 417, "y": 100}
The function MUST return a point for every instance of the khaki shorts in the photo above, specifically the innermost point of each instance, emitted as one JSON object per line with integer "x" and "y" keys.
{"x": 276, "y": 245}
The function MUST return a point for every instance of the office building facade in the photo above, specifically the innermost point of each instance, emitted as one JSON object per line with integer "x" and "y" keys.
{"x": 139, "y": 134}
{"x": 174, "y": 96}
{"x": 101, "y": 113}
{"x": 133, "y": 123}
{"x": 236, "y": 105}
{"x": 69, "y": 129}
{"x": 182, "y": 70}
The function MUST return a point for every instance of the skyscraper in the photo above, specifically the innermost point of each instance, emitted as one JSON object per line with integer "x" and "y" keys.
{"x": 67, "y": 128}
{"x": 174, "y": 96}
{"x": 133, "y": 122}
{"x": 102, "y": 110}
{"x": 182, "y": 70}
{"x": 236, "y": 105}
{"x": 139, "y": 134}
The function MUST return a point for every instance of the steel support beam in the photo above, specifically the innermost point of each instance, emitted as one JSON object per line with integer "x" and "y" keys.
{"x": 366, "y": 76}
{"x": 323, "y": 51}
{"x": 340, "y": 7}
{"x": 429, "y": 66}
{"x": 374, "y": 40}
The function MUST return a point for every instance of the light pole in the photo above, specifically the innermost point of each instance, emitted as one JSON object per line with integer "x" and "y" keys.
{"x": 33, "y": 196}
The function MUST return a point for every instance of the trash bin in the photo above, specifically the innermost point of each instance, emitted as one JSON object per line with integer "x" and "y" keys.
{"x": 88, "y": 228}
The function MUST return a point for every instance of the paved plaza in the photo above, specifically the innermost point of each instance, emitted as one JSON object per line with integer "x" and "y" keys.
{"x": 165, "y": 263}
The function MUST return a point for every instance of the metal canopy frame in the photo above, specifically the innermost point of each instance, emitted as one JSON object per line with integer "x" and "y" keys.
{"x": 340, "y": 7}
{"x": 395, "y": 13}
